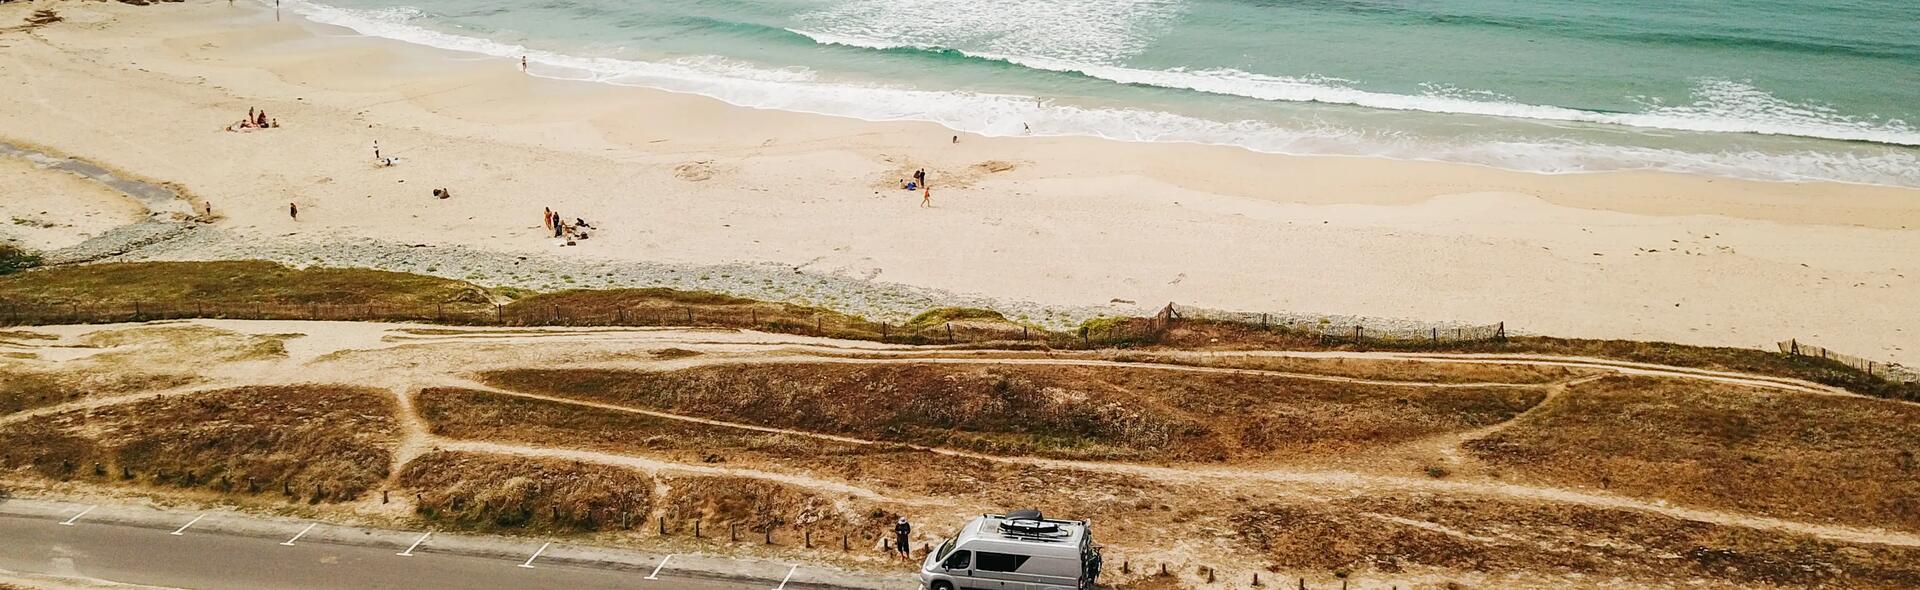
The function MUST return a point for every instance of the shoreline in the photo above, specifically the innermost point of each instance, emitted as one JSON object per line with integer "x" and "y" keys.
{"x": 1064, "y": 222}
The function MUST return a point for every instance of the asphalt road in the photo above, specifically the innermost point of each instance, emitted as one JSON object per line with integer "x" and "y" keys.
{"x": 213, "y": 561}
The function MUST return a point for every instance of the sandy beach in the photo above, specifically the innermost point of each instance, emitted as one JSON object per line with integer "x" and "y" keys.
{"x": 1069, "y": 222}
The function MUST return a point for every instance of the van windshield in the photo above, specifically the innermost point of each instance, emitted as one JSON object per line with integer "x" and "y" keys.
{"x": 941, "y": 554}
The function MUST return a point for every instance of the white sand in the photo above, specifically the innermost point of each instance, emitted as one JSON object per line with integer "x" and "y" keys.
{"x": 45, "y": 209}
{"x": 680, "y": 178}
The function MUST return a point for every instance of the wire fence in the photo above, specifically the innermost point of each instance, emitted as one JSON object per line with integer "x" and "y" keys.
{"x": 1889, "y": 371}
{"x": 1328, "y": 329}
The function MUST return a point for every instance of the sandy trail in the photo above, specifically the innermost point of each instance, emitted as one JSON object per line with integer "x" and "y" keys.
{"x": 418, "y": 364}
{"x": 766, "y": 342}
{"x": 656, "y": 467}
{"x": 1340, "y": 481}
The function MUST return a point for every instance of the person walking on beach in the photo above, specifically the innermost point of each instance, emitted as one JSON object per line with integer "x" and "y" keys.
{"x": 902, "y": 543}
{"x": 523, "y": 64}
{"x": 926, "y": 198}
{"x": 293, "y": 211}
{"x": 376, "y": 150}
{"x": 547, "y": 221}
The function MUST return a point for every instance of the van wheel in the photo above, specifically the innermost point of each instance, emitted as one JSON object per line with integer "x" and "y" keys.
{"x": 942, "y": 586}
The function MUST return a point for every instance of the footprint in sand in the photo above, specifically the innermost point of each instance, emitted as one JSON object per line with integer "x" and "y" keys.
{"x": 694, "y": 171}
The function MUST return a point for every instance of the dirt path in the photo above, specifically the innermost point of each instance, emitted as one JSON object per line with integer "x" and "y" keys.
{"x": 767, "y": 342}
{"x": 656, "y": 467}
{"x": 796, "y": 359}
{"x": 1339, "y": 481}
{"x": 406, "y": 375}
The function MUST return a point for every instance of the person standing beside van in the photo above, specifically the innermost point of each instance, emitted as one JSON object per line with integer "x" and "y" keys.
{"x": 902, "y": 543}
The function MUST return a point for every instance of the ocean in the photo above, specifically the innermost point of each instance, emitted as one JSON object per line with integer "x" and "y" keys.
{"x": 1758, "y": 89}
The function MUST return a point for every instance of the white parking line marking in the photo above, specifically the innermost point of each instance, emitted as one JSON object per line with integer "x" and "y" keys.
{"x": 536, "y": 555}
{"x": 183, "y": 528}
{"x": 416, "y": 545}
{"x": 783, "y": 581}
{"x": 303, "y": 533}
{"x": 76, "y": 517}
{"x": 656, "y": 569}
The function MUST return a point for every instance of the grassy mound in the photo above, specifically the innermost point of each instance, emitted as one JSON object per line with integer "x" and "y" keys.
{"x": 483, "y": 415}
{"x": 1075, "y": 412}
{"x": 489, "y": 492}
{"x": 1841, "y": 459}
{"x": 235, "y": 282}
{"x": 321, "y": 443}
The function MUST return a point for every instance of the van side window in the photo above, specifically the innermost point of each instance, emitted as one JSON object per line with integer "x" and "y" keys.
{"x": 959, "y": 560}
{"x": 1001, "y": 562}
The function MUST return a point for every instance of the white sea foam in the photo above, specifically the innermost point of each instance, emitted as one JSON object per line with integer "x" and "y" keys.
{"x": 802, "y": 90}
{"x": 1093, "y": 31}
{"x": 1725, "y": 106}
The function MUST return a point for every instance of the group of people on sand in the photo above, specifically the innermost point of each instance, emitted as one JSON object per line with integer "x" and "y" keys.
{"x": 256, "y": 119}
{"x": 567, "y": 231}
{"x": 919, "y": 183}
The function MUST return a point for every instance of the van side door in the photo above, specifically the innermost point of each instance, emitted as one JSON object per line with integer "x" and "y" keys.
{"x": 1003, "y": 568}
{"x": 959, "y": 566}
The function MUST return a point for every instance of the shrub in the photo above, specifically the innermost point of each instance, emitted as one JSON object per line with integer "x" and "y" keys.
{"x": 15, "y": 259}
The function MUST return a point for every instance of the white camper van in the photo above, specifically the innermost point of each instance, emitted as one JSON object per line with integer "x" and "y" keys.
{"x": 1018, "y": 551}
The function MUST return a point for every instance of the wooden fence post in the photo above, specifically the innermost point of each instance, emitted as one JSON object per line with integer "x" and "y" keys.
{"x": 1356, "y": 334}
{"x": 949, "y": 332}
{"x": 499, "y": 314}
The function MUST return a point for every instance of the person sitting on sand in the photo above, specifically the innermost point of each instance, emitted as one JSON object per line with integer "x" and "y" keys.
{"x": 261, "y": 120}
{"x": 276, "y": 124}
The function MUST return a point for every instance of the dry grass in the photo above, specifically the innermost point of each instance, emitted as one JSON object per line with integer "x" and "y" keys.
{"x": 481, "y": 415}
{"x": 24, "y": 388}
{"x": 661, "y": 306}
{"x": 324, "y": 443}
{"x": 1075, "y": 412}
{"x": 489, "y": 492}
{"x": 757, "y": 506}
{"x": 168, "y": 343}
{"x": 1374, "y": 369}
{"x": 1212, "y": 335}
{"x": 234, "y": 282}
{"x": 1837, "y": 459}
{"x": 1391, "y": 534}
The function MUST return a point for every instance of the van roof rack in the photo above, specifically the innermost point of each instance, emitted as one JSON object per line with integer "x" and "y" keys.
{"x": 1030, "y": 524}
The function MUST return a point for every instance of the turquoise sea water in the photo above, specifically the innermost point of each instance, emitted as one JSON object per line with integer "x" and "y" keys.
{"x": 1768, "y": 89}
